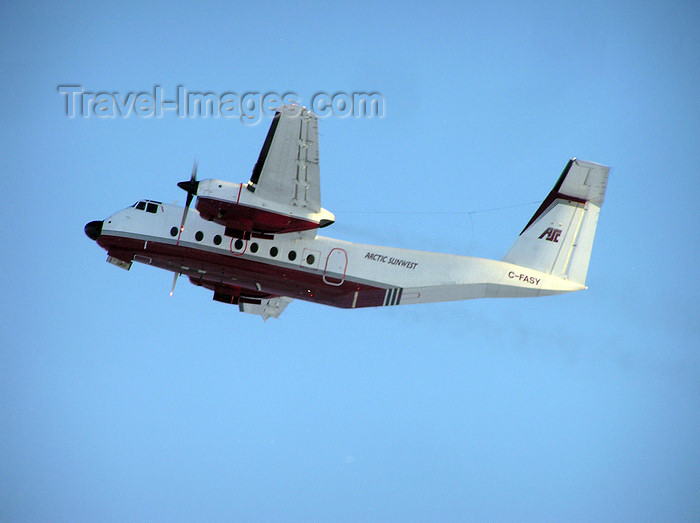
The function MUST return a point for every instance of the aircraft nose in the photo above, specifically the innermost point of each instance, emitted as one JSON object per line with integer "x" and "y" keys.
{"x": 93, "y": 229}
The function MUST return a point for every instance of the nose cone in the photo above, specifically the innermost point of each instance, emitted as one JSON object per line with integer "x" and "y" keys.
{"x": 93, "y": 230}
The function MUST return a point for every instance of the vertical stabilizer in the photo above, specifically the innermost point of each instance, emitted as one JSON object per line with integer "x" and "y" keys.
{"x": 558, "y": 239}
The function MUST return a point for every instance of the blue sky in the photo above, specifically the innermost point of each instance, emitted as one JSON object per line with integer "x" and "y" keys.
{"x": 120, "y": 403}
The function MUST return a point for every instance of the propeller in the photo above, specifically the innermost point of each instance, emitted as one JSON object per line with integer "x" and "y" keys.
{"x": 190, "y": 186}
{"x": 174, "y": 282}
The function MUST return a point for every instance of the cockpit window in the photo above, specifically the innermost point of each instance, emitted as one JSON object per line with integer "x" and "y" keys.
{"x": 147, "y": 205}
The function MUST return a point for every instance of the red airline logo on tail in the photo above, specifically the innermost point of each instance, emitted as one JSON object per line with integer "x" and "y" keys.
{"x": 551, "y": 234}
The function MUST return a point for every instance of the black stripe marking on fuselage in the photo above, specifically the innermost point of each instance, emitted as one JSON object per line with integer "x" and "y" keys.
{"x": 393, "y": 296}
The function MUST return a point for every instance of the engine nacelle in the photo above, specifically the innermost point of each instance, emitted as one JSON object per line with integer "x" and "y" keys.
{"x": 243, "y": 214}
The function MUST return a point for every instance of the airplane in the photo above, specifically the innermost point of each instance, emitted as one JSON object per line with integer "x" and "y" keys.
{"x": 256, "y": 244}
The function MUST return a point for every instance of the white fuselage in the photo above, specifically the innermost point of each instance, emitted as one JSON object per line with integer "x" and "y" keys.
{"x": 403, "y": 276}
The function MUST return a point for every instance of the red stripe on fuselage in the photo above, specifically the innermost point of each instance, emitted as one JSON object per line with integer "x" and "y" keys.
{"x": 242, "y": 271}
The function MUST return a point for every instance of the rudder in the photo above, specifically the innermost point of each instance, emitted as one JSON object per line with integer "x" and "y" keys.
{"x": 558, "y": 239}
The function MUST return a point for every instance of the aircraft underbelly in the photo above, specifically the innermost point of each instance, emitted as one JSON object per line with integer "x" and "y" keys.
{"x": 341, "y": 275}
{"x": 216, "y": 268}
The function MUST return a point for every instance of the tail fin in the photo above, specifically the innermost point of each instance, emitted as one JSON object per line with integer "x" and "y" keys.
{"x": 558, "y": 239}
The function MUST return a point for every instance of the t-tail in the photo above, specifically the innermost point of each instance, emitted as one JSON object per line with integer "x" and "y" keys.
{"x": 558, "y": 239}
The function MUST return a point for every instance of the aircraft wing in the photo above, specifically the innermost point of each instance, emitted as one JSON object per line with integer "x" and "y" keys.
{"x": 287, "y": 169}
{"x": 248, "y": 300}
{"x": 268, "y": 308}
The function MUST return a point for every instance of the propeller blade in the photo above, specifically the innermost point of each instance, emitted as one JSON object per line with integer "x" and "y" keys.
{"x": 190, "y": 187}
{"x": 184, "y": 217}
{"x": 174, "y": 282}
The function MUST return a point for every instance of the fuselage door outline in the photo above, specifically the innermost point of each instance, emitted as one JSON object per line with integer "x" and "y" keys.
{"x": 336, "y": 263}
